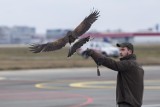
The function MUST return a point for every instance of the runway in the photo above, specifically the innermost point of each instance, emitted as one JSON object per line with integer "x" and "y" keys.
{"x": 74, "y": 87}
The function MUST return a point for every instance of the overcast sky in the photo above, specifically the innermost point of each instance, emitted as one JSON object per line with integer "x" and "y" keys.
{"x": 129, "y": 15}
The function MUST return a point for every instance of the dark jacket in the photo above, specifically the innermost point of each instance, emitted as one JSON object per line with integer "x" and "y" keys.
{"x": 129, "y": 78}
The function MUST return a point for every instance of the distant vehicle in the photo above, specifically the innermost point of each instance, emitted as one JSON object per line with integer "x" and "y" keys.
{"x": 105, "y": 48}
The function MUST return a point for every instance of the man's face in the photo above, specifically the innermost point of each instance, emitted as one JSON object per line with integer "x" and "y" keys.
{"x": 124, "y": 51}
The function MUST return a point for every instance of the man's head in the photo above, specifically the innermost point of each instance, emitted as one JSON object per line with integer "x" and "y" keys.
{"x": 125, "y": 49}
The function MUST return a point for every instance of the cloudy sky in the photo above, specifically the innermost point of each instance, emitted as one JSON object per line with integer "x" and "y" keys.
{"x": 129, "y": 15}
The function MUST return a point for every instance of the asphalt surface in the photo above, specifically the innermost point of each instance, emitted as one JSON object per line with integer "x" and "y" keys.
{"x": 76, "y": 87}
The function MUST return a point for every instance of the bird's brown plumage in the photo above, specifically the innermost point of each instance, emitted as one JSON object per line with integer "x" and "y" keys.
{"x": 50, "y": 46}
{"x": 85, "y": 25}
{"x": 70, "y": 37}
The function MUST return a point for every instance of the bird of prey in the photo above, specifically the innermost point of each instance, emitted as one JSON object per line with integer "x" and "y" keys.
{"x": 77, "y": 45}
{"x": 70, "y": 37}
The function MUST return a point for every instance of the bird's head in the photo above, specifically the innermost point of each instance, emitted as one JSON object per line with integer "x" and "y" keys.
{"x": 69, "y": 34}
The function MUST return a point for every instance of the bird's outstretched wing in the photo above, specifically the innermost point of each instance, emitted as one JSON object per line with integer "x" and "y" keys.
{"x": 50, "y": 46}
{"x": 77, "y": 45}
{"x": 85, "y": 24}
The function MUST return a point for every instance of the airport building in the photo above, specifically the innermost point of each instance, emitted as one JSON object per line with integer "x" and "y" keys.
{"x": 27, "y": 35}
{"x": 22, "y": 34}
{"x": 5, "y": 33}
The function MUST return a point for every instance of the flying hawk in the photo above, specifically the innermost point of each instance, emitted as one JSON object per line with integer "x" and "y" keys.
{"x": 70, "y": 37}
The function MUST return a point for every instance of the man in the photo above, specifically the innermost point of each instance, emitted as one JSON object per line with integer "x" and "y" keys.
{"x": 129, "y": 89}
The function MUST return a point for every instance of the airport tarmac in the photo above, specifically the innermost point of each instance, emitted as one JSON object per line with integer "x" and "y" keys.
{"x": 74, "y": 87}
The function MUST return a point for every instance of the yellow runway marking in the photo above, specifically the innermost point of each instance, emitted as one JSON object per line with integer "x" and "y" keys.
{"x": 53, "y": 84}
{"x": 149, "y": 84}
{"x": 95, "y": 84}
{"x": 43, "y": 85}
{"x": 49, "y": 86}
